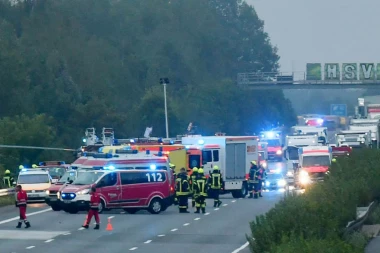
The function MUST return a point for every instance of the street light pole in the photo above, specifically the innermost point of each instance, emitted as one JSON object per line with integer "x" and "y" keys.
{"x": 165, "y": 81}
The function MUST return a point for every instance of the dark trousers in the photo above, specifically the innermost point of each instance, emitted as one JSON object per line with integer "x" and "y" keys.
{"x": 215, "y": 195}
{"x": 200, "y": 201}
{"x": 183, "y": 203}
{"x": 254, "y": 190}
{"x": 93, "y": 212}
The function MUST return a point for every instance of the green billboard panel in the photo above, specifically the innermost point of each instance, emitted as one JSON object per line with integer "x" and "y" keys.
{"x": 313, "y": 71}
{"x": 367, "y": 71}
{"x": 332, "y": 71}
{"x": 349, "y": 71}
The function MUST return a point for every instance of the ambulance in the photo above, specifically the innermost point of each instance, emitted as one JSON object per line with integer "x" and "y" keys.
{"x": 128, "y": 180}
{"x": 35, "y": 182}
{"x": 314, "y": 162}
{"x": 232, "y": 154}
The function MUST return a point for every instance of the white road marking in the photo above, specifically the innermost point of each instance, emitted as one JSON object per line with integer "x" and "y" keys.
{"x": 122, "y": 212}
{"x": 28, "y": 214}
{"x": 197, "y": 218}
{"x": 30, "y": 247}
{"x": 216, "y": 209}
{"x": 111, "y": 217}
{"x": 207, "y": 213}
{"x": 29, "y": 234}
{"x": 186, "y": 224}
{"x": 50, "y": 240}
{"x": 134, "y": 248}
{"x": 160, "y": 235}
{"x": 67, "y": 234}
{"x": 245, "y": 245}
{"x": 233, "y": 201}
{"x": 149, "y": 241}
{"x": 174, "y": 229}
{"x": 81, "y": 228}
{"x": 225, "y": 204}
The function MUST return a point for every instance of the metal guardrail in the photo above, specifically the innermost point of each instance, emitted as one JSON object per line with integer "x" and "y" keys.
{"x": 358, "y": 223}
{"x": 7, "y": 192}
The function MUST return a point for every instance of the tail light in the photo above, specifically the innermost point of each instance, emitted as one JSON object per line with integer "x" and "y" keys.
{"x": 171, "y": 189}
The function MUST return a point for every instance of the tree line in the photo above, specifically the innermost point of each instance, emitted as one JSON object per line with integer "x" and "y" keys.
{"x": 66, "y": 65}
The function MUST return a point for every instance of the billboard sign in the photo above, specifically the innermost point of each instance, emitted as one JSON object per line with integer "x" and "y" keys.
{"x": 338, "y": 110}
{"x": 344, "y": 72}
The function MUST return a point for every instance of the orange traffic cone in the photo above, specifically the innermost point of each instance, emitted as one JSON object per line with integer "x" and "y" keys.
{"x": 109, "y": 225}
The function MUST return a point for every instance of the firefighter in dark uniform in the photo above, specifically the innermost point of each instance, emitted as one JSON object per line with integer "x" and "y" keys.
{"x": 215, "y": 182}
{"x": 261, "y": 176}
{"x": 200, "y": 189}
{"x": 172, "y": 167}
{"x": 183, "y": 191}
{"x": 193, "y": 178}
{"x": 253, "y": 181}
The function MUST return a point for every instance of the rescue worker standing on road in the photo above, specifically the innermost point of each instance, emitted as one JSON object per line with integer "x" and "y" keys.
{"x": 183, "y": 191}
{"x": 172, "y": 167}
{"x": 193, "y": 179}
{"x": 94, "y": 209}
{"x": 253, "y": 181}
{"x": 21, "y": 200}
{"x": 7, "y": 179}
{"x": 200, "y": 190}
{"x": 261, "y": 176}
{"x": 216, "y": 182}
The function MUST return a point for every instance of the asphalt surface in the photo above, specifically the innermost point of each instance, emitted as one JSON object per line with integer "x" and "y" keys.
{"x": 220, "y": 230}
{"x": 373, "y": 246}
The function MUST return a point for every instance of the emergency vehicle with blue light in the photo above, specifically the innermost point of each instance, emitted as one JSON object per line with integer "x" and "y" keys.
{"x": 314, "y": 162}
{"x": 35, "y": 182}
{"x": 232, "y": 154}
{"x": 263, "y": 154}
{"x": 275, "y": 144}
{"x": 128, "y": 180}
{"x": 56, "y": 169}
{"x": 320, "y": 132}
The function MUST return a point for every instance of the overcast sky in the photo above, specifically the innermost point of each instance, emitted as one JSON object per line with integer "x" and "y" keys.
{"x": 322, "y": 31}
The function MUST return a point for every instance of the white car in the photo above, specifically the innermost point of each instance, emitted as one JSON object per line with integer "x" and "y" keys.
{"x": 35, "y": 182}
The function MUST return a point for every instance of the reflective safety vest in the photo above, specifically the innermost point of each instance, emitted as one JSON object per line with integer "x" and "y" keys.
{"x": 94, "y": 201}
{"x": 7, "y": 181}
{"x": 193, "y": 178}
{"x": 216, "y": 181}
{"x": 253, "y": 176}
{"x": 21, "y": 198}
{"x": 182, "y": 187}
{"x": 201, "y": 186}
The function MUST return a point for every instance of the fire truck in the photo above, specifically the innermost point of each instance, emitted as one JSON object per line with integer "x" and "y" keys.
{"x": 274, "y": 140}
{"x": 343, "y": 151}
{"x": 263, "y": 154}
{"x": 232, "y": 154}
{"x": 314, "y": 162}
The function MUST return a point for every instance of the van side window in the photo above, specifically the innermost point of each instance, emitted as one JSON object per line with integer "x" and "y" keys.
{"x": 206, "y": 156}
{"x": 108, "y": 180}
{"x": 215, "y": 154}
{"x": 142, "y": 177}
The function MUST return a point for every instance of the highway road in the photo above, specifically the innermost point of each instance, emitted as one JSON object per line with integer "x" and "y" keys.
{"x": 219, "y": 230}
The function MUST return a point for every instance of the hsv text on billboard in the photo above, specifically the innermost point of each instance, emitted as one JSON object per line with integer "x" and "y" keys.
{"x": 344, "y": 71}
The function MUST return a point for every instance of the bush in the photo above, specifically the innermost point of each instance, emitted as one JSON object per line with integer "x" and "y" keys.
{"x": 7, "y": 200}
{"x": 310, "y": 220}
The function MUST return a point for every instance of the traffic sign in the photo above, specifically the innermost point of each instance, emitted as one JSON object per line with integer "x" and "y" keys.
{"x": 338, "y": 109}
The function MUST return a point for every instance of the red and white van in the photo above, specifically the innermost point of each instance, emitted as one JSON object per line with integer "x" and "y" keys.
{"x": 131, "y": 182}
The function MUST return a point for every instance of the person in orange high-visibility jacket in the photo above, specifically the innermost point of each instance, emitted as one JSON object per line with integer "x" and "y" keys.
{"x": 21, "y": 199}
{"x": 94, "y": 209}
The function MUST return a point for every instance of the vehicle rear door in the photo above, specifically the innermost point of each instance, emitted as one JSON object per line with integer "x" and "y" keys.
{"x": 109, "y": 188}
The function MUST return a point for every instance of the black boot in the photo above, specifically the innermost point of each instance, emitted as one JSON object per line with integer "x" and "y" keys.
{"x": 219, "y": 203}
{"x": 193, "y": 203}
{"x": 96, "y": 227}
{"x": 250, "y": 196}
{"x": 203, "y": 210}
{"x": 85, "y": 226}
{"x": 215, "y": 203}
{"x": 27, "y": 224}
{"x": 198, "y": 210}
{"x": 19, "y": 225}
{"x": 256, "y": 196}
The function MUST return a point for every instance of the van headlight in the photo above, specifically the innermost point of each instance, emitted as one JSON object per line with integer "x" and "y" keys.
{"x": 304, "y": 177}
{"x": 281, "y": 182}
{"x": 278, "y": 152}
{"x": 83, "y": 192}
{"x": 47, "y": 192}
{"x": 267, "y": 183}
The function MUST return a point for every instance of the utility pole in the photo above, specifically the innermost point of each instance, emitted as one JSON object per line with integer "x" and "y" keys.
{"x": 164, "y": 82}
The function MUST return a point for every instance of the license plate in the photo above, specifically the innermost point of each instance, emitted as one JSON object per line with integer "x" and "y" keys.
{"x": 33, "y": 195}
{"x": 67, "y": 201}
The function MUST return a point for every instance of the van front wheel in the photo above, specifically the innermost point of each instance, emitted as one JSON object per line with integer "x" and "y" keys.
{"x": 155, "y": 206}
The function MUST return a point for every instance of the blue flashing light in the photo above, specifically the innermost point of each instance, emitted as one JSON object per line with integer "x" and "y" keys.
{"x": 63, "y": 195}
{"x": 100, "y": 150}
{"x": 111, "y": 167}
{"x": 72, "y": 195}
{"x": 201, "y": 142}
{"x": 84, "y": 140}
{"x": 72, "y": 174}
{"x": 160, "y": 140}
{"x": 153, "y": 167}
{"x": 171, "y": 142}
{"x": 41, "y": 164}
{"x": 270, "y": 134}
{"x": 320, "y": 121}
{"x": 147, "y": 152}
{"x": 132, "y": 141}
{"x": 24, "y": 170}
{"x": 187, "y": 147}
{"x": 159, "y": 153}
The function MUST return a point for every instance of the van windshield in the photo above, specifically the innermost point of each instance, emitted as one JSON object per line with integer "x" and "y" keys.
{"x": 88, "y": 177}
{"x": 56, "y": 172}
{"x": 273, "y": 142}
{"x": 33, "y": 179}
{"x": 316, "y": 161}
{"x": 70, "y": 175}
